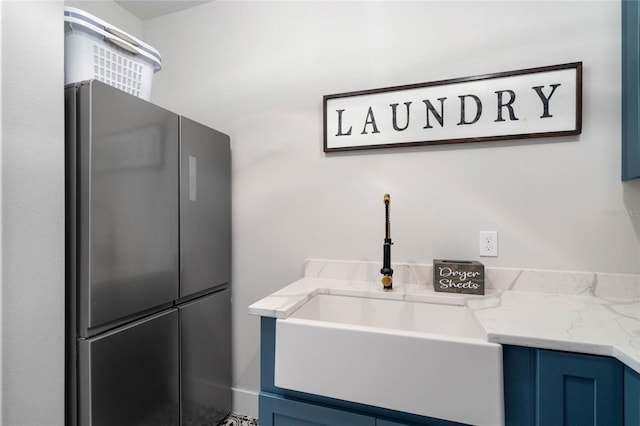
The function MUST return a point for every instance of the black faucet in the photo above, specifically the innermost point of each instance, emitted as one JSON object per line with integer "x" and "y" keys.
{"x": 386, "y": 271}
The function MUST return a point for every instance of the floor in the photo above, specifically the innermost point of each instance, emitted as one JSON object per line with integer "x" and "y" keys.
{"x": 238, "y": 420}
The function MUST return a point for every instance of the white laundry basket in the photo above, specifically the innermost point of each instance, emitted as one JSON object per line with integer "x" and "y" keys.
{"x": 96, "y": 50}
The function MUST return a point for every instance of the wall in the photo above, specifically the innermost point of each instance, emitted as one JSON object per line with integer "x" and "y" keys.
{"x": 32, "y": 170}
{"x": 258, "y": 71}
{"x": 110, "y": 12}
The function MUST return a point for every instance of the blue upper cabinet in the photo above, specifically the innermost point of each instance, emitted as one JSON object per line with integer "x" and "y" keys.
{"x": 630, "y": 89}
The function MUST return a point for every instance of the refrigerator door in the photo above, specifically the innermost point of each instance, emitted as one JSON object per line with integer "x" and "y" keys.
{"x": 130, "y": 376}
{"x": 127, "y": 183}
{"x": 205, "y": 334}
{"x": 205, "y": 208}
{"x": 70, "y": 247}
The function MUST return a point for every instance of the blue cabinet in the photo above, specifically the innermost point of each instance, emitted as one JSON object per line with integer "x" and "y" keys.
{"x": 543, "y": 387}
{"x": 578, "y": 390}
{"x": 519, "y": 371}
{"x": 630, "y": 89}
{"x": 631, "y": 397}
{"x": 279, "y": 411}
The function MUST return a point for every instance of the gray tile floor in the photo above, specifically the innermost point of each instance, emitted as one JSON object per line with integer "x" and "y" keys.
{"x": 238, "y": 420}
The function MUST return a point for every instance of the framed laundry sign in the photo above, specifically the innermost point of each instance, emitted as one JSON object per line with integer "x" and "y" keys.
{"x": 529, "y": 103}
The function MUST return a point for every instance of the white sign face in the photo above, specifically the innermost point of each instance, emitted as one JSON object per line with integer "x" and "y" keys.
{"x": 540, "y": 102}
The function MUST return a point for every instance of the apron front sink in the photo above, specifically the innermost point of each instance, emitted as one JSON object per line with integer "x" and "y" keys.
{"x": 422, "y": 358}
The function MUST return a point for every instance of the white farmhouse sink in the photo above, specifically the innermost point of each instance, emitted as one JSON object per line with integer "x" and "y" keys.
{"x": 422, "y": 358}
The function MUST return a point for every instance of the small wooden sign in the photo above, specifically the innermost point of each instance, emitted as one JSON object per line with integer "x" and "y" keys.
{"x": 529, "y": 103}
{"x": 458, "y": 276}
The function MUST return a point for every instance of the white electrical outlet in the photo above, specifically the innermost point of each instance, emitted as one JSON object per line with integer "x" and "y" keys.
{"x": 489, "y": 243}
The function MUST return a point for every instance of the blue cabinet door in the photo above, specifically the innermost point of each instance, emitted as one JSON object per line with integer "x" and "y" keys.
{"x": 631, "y": 397}
{"x": 630, "y": 89}
{"x": 519, "y": 371}
{"x": 579, "y": 390}
{"x": 278, "y": 411}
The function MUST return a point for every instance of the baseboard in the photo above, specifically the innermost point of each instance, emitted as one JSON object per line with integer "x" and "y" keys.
{"x": 245, "y": 402}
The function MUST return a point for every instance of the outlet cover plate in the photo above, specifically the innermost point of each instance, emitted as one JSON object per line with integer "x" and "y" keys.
{"x": 489, "y": 243}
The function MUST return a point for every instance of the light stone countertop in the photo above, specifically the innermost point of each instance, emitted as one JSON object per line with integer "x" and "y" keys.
{"x": 589, "y": 313}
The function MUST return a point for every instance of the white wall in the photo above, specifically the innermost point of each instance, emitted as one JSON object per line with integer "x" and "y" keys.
{"x": 32, "y": 177}
{"x": 258, "y": 71}
{"x": 110, "y": 12}
{"x": 32, "y": 214}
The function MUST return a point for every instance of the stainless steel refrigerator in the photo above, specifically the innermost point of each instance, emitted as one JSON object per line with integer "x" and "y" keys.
{"x": 148, "y": 206}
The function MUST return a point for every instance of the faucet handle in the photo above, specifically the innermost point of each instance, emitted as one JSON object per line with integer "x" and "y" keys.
{"x": 387, "y": 282}
{"x": 386, "y": 271}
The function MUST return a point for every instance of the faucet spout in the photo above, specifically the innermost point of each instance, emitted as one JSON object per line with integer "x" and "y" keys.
{"x": 386, "y": 271}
